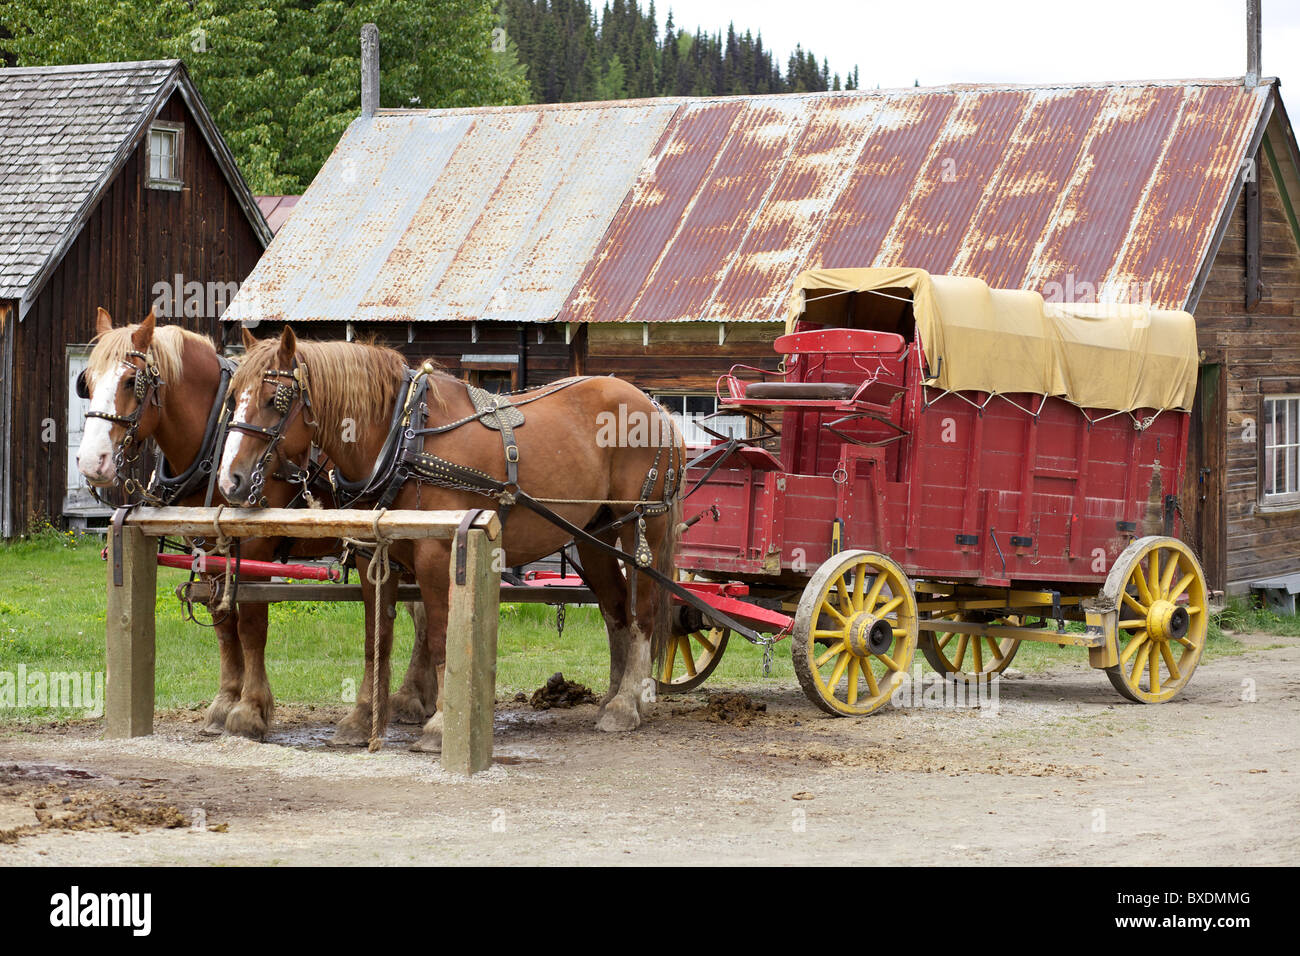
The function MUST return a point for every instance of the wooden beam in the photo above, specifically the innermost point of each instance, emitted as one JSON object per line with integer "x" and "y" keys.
{"x": 129, "y": 690}
{"x": 304, "y": 523}
{"x": 470, "y": 690}
{"x": 270, "y": 592}
{"x": 1254, "y": 287}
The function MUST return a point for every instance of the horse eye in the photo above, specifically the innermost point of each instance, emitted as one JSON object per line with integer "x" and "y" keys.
{"x": 129, "y": 384}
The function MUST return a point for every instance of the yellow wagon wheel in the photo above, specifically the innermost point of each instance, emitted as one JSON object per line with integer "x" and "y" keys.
{"x": 1159, "y": 588}
{"x": 854, "y": 633}
{"x": 969, "y": 657}
{"x": 691, "y": 657}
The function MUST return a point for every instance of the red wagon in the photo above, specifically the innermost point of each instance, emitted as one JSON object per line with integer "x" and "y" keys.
{"x": 944, "y": 466}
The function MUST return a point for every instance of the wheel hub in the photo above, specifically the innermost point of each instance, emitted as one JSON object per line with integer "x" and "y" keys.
{"x": 870, "y": 635}
{"x": 1167, "y": 621}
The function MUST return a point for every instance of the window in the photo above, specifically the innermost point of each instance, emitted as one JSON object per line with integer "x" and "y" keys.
{"x": 494, "y": 373}
{"x": 77, "y": 498}
{"x": 164, "y": 155}
{"x": 691, "y": 411}
{"x": 1281, "y": 474}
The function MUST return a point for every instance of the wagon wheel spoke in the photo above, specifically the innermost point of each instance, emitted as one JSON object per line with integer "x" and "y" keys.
{"x": 855, "y": 632}
{"x": 1162, "y": 627}
{"x": 971, "y": 657}
{"x": 690, "y": 657}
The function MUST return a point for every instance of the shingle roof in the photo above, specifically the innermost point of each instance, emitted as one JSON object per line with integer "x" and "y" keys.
{"x": 64, "y": 131}
{"x": 682, "y": 209}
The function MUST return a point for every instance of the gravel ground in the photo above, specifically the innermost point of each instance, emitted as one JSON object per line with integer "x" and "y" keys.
{"x": 1064, "y": 772}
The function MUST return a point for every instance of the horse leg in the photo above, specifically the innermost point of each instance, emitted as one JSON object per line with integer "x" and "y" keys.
{"x": 646, "y": 633}
{"x": 251, "y": 717}
{"x": 232, "y": 673}
{"x": 433, "y": 570}
{"x": 354, "y": 729}
{"x": 606, "y": 581}
{"x": 416, "y": 700}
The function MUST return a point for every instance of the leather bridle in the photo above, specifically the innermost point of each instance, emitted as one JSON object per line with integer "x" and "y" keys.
{"x": 292, "y": 399}
{"x": 148, "y": 381}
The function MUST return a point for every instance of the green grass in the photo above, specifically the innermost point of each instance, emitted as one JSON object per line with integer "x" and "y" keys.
{"x": 52, "y": 594}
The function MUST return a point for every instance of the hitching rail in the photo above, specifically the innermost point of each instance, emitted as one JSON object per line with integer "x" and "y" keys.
{"x": 471, "y": 624}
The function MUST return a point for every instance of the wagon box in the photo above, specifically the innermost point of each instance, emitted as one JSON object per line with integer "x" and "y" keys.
{"x": 1005, "y": 455}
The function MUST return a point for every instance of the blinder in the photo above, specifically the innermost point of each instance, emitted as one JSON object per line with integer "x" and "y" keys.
{"x": 83, "y": 385}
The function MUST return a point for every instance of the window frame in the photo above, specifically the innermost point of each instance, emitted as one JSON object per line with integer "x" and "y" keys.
{"x": 473, "y": 365}
{"x": 694, "y": 439}
{"x": 175, "y": 182}
{"x": 1274, "y": 392}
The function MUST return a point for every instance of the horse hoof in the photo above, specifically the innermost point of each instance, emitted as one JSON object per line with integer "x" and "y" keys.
{"x": 619, "y": 716}
{"x": 352, "y": 731}
{"x": 245, "y": 720}
{"x": 408, "y": 708}
{"x": 214, "y": 721}
{"x": 428, "y": 744}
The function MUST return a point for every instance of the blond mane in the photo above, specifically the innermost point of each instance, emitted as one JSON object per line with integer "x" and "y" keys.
{"x": 346, "y": 379}
{"x": 167, "y": 349}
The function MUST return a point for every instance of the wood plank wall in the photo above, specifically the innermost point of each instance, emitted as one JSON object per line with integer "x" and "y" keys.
{"x": 135, "y": 237}
{"x": 1256, "y": 347}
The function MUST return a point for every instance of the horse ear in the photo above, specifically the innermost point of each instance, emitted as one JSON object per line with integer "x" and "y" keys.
{"x": 250, "y": 339}
{"x": 288, "y": 347}
{"x": 103, "y": 321}
{"x": 142, "y": 337}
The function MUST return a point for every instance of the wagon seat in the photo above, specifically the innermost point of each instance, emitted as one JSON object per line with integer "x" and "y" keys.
{"x": 840, "y": 384}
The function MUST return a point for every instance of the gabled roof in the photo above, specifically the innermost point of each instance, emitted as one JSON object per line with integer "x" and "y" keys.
{"x": 706, "y": 209}
{"x": 65, "y": 131}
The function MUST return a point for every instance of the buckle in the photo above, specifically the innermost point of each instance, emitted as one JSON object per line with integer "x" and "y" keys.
{"x": 512, "y": 453}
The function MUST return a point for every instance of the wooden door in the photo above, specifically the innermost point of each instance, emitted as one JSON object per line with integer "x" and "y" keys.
{"x": 1203, "y": 499}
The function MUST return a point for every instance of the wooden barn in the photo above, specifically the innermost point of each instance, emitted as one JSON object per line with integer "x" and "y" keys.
{"x": 117, "y": 191}
{"x": 658, "y": 239}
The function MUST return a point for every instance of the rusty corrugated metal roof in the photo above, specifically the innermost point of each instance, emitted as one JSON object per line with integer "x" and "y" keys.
{"x": 706, "y": 209}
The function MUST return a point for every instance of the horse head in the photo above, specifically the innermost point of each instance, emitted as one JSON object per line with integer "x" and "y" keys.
{"x": 272, "y": 427}
{"x": 122, "y": 382}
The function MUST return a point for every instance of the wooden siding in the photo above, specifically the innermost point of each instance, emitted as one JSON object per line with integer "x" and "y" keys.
{"x": 135, "y": 237}
{"x": 1263, "y": 343}
{"x": 681, "y": 356}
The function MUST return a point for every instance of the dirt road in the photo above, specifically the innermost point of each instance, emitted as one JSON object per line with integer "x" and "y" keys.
{"x": 1064, "y": 772}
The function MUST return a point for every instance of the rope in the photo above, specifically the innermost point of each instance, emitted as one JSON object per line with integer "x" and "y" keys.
{"x": 222, "y": 547}
{"x": 378, "y": 571}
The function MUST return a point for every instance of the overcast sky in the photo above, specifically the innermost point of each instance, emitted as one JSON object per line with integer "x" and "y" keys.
{"x": 1020, "y": 41}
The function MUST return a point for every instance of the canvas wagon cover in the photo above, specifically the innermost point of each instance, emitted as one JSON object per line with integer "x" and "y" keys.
{"x": 1120, "y": 357}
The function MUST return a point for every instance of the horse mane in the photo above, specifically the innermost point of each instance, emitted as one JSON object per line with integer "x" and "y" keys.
{"x": 355, "y": 380}
{"x": 168, "y": 350}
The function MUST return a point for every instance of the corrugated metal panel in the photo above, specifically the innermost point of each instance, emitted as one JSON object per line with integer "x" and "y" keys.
{"x": 671, "y": 210}
{"x": 460, "y": 214}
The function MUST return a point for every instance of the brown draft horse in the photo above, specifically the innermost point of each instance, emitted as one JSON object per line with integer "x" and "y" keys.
{"x": 345, "y": 405}
{"x": 190, "y": 376}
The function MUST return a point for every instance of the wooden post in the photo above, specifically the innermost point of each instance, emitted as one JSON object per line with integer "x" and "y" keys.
{"x": 129, "y": 695}
{"x": 471, "y": 672}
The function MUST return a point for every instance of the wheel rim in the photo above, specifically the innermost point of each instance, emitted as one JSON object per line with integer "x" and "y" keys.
{"x": 855, "y": 633}
{"x": 1163, "y": 621}
{"x": 969, "y": 657}
{"x": 691, "y": 658}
